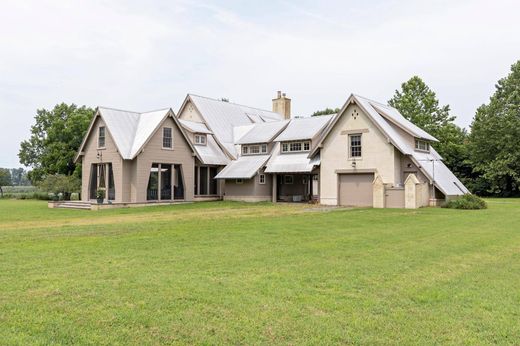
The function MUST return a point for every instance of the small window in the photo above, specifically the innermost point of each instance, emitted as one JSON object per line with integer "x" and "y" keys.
{"x": 288, "y": 179}
{"x": 304, "y": 180}
{"x": 245, "y": 150}
{"x": 239, "y": 181}
{"x": 167, "y": 138}
{"x": 254, "y": 149}
{"x": 422, "y": 145}
{"x": 355, "y": 145}
{"x": 296, "y": 146}
{"x": 261, "y": 178}
{"x": 264, "y": 148}
{"x": 101, "y": 137}
{"x": 285, "y": 147}
{"x": 200, "y": 139}
{"x": 306, "y": 146}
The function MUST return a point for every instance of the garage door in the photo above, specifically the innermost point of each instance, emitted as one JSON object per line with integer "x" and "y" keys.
{"x": 356, "y": 189}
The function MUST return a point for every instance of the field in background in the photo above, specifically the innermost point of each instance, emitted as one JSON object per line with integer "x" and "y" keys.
{"x": 220, "y": 273}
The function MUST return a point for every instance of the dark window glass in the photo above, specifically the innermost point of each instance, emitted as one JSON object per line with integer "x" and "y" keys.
{"x": 355, "y": 145}
{"x": 167, "y": 137}
{"x": 101, "y": 137}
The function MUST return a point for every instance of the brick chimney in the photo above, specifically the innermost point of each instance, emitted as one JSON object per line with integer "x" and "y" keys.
{"x": 282, "y": 105}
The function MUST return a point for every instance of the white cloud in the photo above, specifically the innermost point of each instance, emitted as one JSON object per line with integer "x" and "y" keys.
{"x": 142, "y": 56}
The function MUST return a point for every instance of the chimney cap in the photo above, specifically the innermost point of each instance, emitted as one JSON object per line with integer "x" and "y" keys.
{"x": 279, "y": 93}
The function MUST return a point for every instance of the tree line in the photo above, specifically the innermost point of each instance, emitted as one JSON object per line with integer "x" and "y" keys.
{"x": 486, "y": 158}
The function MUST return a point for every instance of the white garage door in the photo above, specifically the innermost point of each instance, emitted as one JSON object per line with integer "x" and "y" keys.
{"x": 356, "y": 189}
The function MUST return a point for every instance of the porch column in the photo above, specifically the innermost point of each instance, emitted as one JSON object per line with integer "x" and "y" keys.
{"x": 275, "y": 188}
{"x": 172, "y": 182}
{"x": 107, "y": 183}
{"x": 159, "y": 183}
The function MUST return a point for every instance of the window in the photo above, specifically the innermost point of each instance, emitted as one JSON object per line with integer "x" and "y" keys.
{"x": 239, "y": 181}
{"x": 101, "y": 137}
{"x": 261, "y": 179}
{"x": 200, "y": 139}
{"x": 304, "y": 180}
{"x": 288, "y": 179}
{"x": 167, "y": 138}
{"x": 422, "y": 145}
{"x": 245, "y": 150}
{"x": 254, "y": 149}
{"x": 355, "y": 145}
{"x": 264, "y": 148}
{"x": 296, "y": 146}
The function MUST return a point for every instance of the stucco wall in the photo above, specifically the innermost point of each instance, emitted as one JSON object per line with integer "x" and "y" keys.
{"x": 109, "y": 155}
{"x": 189, "y": 112}
{"x": 154, "y": 153}
{"x": 377, "y": 153}
{"x": 249, "y": 190}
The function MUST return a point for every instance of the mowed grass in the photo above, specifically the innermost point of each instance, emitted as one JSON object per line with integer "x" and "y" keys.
{"x": 235, "y": 273}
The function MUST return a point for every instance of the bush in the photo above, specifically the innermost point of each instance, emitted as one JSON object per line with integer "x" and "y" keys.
{"x": 61, "y": 185}
{"x": 74, "y": 196}
{"x": 466, "y": 202}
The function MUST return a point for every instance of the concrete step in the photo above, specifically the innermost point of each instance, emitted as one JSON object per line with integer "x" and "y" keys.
{"x": 74, "y": 205}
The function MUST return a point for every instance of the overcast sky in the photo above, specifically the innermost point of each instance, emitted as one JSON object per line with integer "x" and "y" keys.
{"x": 144, "y": 55}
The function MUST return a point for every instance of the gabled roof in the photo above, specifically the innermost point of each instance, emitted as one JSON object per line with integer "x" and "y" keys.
{"x": 194, "y": 127}
{"x": 262, "y": 132}
{"x": 131, "y": 130}
{"x": 304, "y": 128}
{"x": 245, "y": 167}
{"x": 221, "y": 117}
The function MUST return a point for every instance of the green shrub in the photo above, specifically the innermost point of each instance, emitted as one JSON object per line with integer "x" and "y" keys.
{"x": 466, "y": 202}
{"x": 74, "y": 196}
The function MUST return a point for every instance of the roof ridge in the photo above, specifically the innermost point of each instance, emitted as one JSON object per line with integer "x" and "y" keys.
{"x": 128, "y": 111}
{"x": 233, "y": 103}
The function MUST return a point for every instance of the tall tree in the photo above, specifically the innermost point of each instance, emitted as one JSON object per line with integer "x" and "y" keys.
{"x": 19, "y": 177}
{"x": 494, "y": 142}
{"x": 419, "y": 104}
{"x": 55, "y": 138}
{"x": 5, "y": 179}
{"x": 325, "y": 111}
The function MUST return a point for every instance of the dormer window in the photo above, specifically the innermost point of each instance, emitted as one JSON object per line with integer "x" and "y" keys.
{"x": 245, "y": 150}
{"x": 167, "y": 142}
{"x": 101, "y": 137}
{"x": 200, "y": 139}
{"x": 422, "y": 145}
{"x": 295, "y": 147}
{"x": 254, "y": 149}
{"x": 264, "y": 148}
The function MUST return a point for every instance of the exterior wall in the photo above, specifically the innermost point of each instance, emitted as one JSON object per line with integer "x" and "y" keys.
{"x": 189, "y": 112}
{"x": 250, "y": 190}
{"x": 377, "y": 153}
{"x": 109, "y": 155}
{"x": 394, "y": 198}
{"x": 154, "y": 153}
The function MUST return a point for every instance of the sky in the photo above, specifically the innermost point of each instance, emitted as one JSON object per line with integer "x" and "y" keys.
{"x": 146, "y": 55}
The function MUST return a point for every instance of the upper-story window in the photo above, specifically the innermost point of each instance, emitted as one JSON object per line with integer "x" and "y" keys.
{"x": 355, "y": 145}
{"x": 167, "y": 142}
{"x": 101, "y": 137}
{"x": 253, "y": 149}
{"x": 299, "y": 146}
{"x": 422, "y": 145}
{"x": 200, "y": 139}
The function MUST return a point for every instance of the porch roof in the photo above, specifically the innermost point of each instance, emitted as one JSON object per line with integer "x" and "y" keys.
{"x": 245, "y": 167}
{"x": 292, "y": 163}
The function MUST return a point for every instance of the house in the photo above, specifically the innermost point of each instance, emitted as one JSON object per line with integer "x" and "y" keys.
{"x": 366, "y": 155}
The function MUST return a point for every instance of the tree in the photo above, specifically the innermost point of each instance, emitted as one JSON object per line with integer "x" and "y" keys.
{"x": 5, "y": 179}
{"x": 325, "y": 111}
{"x": 494, "y": 142}
{"x": 419, "y": 104}
{"x": 55, "y": 139}
{"x": 60, "y": 183}
{"x": 19, "y": 177}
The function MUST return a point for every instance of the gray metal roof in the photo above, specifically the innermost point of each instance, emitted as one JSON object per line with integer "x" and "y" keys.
{"x": 222, "y": 116}
{"x": 211, "y": 154}
{"x": 291, "y": 162}
{"x": 131, "y": 130}
{"x": 304, "y": 128}
{"x": 245, "y": 167}
{"x": 194, "y": 127}
{"x": 262, "y": 132}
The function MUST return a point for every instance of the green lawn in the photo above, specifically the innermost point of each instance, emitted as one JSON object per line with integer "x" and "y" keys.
{"x": 233, "y": 273}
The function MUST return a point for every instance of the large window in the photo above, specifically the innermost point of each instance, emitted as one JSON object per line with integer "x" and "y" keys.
{"x": 254, "y": 149}
{"x": 101, "y": 137}
{"x": 165, "y": 182}
{"x": 355, "y": 145}
{"x": 422, "y": 145}
{"x": 98, "y": 180}
{"x": 205, "y": 182}
{"x": 295, "y": 147}
{"x": 167, "y": 142}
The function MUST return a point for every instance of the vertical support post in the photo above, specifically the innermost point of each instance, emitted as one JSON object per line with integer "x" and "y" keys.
{"x": 172, "y": 182}
{"x": 274, "y": 188}
{"x": 159, "y": 173}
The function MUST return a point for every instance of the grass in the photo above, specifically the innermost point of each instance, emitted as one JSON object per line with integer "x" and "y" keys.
{"x": 233, "y": 273}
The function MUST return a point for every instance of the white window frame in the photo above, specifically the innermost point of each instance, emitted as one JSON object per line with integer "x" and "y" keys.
{"x": 263, "y": 148}
{"x": 170, "y": 138}
{"x": 239, "y": 181}
{"x": 254, "y": 149}
{"x": 200, "y": 139}
{"x": 425, "y": 144}
{"x": 245, "y": 150}
{"x": 104, "y": 137}
{"x": 288, "y": 181}
{"x": 291, "y": 147}
{"x": 261, "y": 179}
{"x": 360, "y": 145}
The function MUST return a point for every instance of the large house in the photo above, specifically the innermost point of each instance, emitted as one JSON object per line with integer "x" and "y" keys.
{"x": 366, "y": 155}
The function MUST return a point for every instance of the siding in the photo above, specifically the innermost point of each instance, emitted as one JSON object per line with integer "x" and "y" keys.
{"x": 249, "y": 190}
